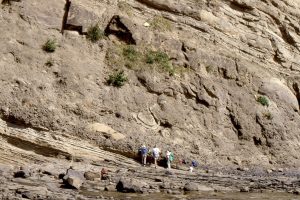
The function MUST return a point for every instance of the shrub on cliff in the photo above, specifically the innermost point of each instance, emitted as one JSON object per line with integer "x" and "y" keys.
{"x": 263, "y": 100}
{"x": 50, "y": 46}
{"x": 94, "y": 33}
{"x": 130, "y": 53}
{"x": 161, "y": 59}
{"x": 117, "y": 79}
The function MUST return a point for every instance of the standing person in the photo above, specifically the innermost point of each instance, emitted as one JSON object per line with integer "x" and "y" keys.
{"x": 155, "y": 152}
{"x": 144, "y": 151}
{"x": 170, "y": 158}
{"x": 168, "y": 155}
{"x": 193, "y": 164}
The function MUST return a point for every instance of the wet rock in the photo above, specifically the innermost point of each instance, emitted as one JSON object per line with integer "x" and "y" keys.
{"x": 131, "y": 185}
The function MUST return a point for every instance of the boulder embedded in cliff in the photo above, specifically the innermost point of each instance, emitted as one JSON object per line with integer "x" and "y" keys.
{"x": 105, "y": 131}
{"x": 79, "y": 18}
{"x": 278, "y": 92}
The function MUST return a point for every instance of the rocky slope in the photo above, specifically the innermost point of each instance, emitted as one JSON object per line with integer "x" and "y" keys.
{"x": 221, "y": 60}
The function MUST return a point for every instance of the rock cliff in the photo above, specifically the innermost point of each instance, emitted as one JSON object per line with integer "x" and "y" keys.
{"x": 214, "y": 80}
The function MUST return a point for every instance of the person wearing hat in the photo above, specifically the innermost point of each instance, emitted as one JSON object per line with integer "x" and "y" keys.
{"x": 155, "y": 152}
{"x": 144, "y": 151}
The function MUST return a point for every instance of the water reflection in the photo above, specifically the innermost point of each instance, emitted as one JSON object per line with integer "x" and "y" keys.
{"x": 197, "y": 196}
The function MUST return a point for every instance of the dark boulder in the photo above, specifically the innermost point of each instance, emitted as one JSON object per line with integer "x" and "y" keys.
{"x": 131, "y": 186}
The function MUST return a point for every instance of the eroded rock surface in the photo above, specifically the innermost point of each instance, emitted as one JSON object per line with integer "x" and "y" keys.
{"x": 201, "y": 101}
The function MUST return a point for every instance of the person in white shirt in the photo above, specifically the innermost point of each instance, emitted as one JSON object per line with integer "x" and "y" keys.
{"x": 168, "y": 159}
{"x": 156, "y": 153}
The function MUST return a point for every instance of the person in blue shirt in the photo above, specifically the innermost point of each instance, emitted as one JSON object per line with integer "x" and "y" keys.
{"x": 144, "y": 151}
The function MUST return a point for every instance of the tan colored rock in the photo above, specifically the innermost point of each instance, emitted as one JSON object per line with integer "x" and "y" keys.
{"x": 105, "y": 131}
{"x": 278, "y": 91}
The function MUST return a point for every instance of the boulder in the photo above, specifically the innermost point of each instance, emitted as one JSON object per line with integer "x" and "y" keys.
{"x": 79, "y": 18}
{"x": 105, "y": 131}
{"x": 279, "y": 92}
{"x": 91, "y": 175}
{"x": 74, "y": 178}
{"x": 131, "y": 185}
{"x": 75, "y": 182}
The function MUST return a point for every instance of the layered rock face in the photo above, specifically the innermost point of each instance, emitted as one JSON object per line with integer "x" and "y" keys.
{"x": 226, "y": 92}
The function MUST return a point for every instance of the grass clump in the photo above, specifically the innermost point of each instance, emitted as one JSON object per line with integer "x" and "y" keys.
{"x": 156, "y": 57}
{"x": 117, "y": 79}
{"x": 161, "y": 59}
{"x": 161, "y": 24}
{"x": 130, "y": 53}
{"x": 50, "y": 46}
{"x": 94, "y": 33}
{"x": 263, "y": 100}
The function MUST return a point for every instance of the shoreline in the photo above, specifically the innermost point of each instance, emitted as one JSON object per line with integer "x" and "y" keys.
{"x": 45, "y": 181}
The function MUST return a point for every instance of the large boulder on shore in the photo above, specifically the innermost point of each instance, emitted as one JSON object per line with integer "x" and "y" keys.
{"x": 74, "y": 178}
{"x": 131, "y": 185}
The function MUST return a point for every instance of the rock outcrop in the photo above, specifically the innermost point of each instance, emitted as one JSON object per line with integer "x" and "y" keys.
{"x": 197, "y": 71}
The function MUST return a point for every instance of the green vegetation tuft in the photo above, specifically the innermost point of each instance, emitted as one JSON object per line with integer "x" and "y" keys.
{"x": 141, "y": 58}
{"x": 94, "y": 33}
{"x": 161, "y": 59}
{"x": 130, "y": 53}
{"x": 161, "y": 24}
{"x": 263, "y": 100}
{"x": 50, "y": 46}
{"x": 156, "y": 57}
{"x": 117, "y": 79}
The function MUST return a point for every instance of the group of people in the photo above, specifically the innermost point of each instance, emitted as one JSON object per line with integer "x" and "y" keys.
{"x": 155, "y": 153}
{"x": 169, "y": 158}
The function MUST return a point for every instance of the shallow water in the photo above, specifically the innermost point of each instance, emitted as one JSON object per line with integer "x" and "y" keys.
{"x": 198, "y": 196}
